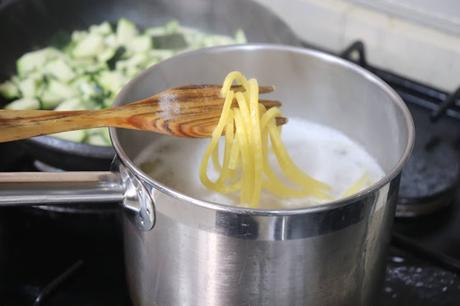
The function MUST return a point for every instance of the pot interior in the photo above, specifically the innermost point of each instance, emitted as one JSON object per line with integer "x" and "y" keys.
{"x": 310, "y": 84}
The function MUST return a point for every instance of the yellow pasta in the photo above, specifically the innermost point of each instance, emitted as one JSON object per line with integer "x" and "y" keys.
{"x": 250, "y": 132}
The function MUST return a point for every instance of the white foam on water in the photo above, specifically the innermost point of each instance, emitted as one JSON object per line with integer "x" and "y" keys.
{"x": 322, "y": 152}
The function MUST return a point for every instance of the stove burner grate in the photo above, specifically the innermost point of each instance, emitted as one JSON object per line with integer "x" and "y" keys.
{"x": 429, "y": 179}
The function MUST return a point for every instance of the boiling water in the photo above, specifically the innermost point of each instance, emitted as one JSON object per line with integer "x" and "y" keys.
{"x": 324, "y": 153}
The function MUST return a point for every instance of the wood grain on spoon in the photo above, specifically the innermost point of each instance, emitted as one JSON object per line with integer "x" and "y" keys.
{"x": 188, "y": 111}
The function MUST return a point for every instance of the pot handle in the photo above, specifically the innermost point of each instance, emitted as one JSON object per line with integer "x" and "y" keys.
{"x": 38, "y": 188}
{"x": 63, "y": 188}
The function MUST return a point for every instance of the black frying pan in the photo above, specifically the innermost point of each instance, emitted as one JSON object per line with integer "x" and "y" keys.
{"x": 29, "y": 24}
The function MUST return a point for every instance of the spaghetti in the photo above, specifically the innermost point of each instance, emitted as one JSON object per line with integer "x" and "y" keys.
{"x": 250, "y": 132}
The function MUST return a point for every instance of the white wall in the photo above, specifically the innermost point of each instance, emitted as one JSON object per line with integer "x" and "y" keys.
{"x": 443, "y": 15}
{"x": 406, "y": 46}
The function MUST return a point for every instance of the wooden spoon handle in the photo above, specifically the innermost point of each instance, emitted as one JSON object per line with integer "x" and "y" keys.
{"x": 21, "y": 124}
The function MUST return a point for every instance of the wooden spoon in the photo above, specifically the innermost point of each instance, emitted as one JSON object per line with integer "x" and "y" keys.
{"x": 188, "y": 111}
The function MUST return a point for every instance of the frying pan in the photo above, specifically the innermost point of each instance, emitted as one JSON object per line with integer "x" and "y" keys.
{"x": 30, "y": 24}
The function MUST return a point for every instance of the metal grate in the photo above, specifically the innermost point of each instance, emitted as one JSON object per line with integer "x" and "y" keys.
{"x": 436, "y": 100}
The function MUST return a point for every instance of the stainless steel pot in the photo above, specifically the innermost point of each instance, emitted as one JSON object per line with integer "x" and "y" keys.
{"x": 180, "y": 250}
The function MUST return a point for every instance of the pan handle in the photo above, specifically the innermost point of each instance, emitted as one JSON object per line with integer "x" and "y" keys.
{"x": 58, "y": 188}
{"x": 38, "y": 188}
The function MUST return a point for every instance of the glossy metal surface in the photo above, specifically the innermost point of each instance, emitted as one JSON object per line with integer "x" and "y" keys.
{"x": 202, "y": 253}
{"x": 48, "y": 189}
{"x": 36, "y": 188}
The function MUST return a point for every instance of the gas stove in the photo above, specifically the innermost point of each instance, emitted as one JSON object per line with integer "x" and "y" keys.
{"x": 75, "y": 258}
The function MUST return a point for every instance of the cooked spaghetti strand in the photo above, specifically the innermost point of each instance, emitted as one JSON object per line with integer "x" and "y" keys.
{"x": 245, "y": 166}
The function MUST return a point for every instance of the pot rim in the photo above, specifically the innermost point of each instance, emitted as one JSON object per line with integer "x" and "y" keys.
{"x": 395, "y": 171}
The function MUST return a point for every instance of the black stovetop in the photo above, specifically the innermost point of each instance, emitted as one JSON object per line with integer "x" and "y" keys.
{"x": 90, "y": 265}
{"x": 51, "y": 258}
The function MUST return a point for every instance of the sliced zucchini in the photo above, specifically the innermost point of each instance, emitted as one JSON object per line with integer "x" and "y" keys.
{"x": 106, "y": 55}
{"x": 78, "y": 36}
{"x": 69, "y": 105}
{"x": 140, "y": 44}
{"x": 102, "y": 29}
{"x": 29, "y": 87}
{"x": 172, "y": 26}
{"x": 80, "y": 64}
{"x": 155, "y": 31}
{"x": 88, "y": 65}
{"x": 97, "y": 140}
{"x": 108, "y": 102}
{"x": 131, "y": 72}
{"x": 63, "y": 90}
{"x": 105, "y": 133}
{"x": 151, "y": 61}
{"x": 9, "y": 90}
{"x": 216, "y": 40}
{"x": 88, "y": 88}
{"x": 170, "y": 41}
{"x": 55, "y": 93}
{"x": 89, "y": 46}
{"x": 137, "y": 60}
{"x": 90, "y": 69}
{"x": 77, "y": 136}
{"x": 111, "y": 63}
{"x": 24, "y": 103}
{"x": 112, "y": 81}
{"x": 59, "y": 69}
{"x": 160, "y": 54}
{"x": 35, "y": 60}
{"x": 126, "y": 31}
{"x": 111, "y": 41}
{"x": 98, "y": 136}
